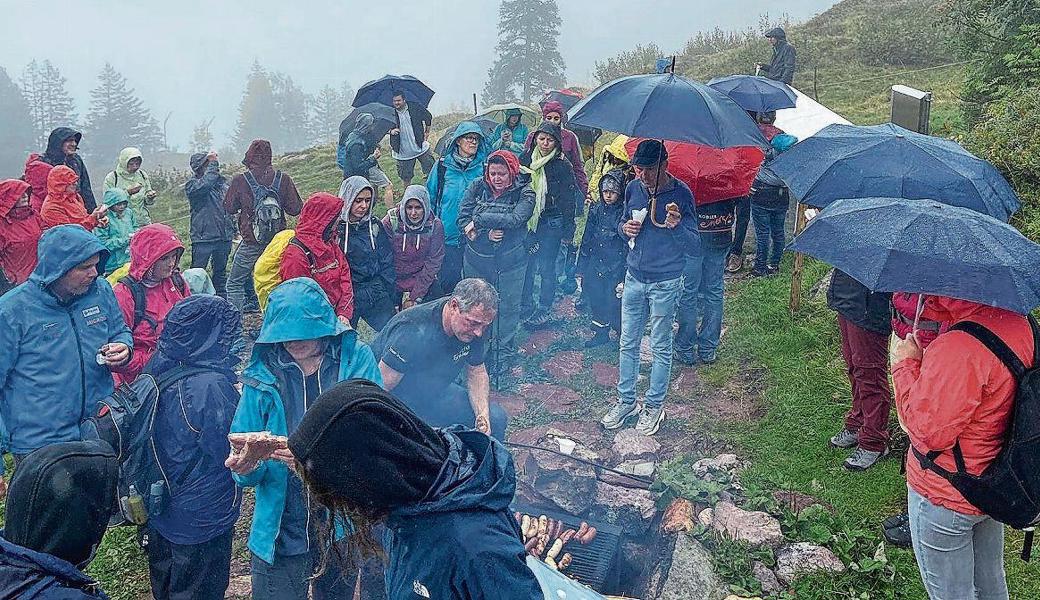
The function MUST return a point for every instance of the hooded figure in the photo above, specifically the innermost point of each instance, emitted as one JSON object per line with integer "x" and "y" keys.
{"x": 570, "y": 147}
{"x": 211, "y": 228}
{"x": 116, "y": 235}
{"x": 36, "y": 172}
{"x": 443, "y": 495}
{"x": 20, "y": 231}
{"x": 603, "y": 253}
{"x": 58, "y": 507}
{"x": 192, "y": 423}
{"x": 614, "y": 156}
{"x": 418, "y": 246}
{"x": 781, "y": 67}
{"x": 355, "y": 156}
{"x": 121, "y": 178}
{"x": 323, "y": 261}
{"x": 239, "y": 199}
{"x": 513, "y": 124}
{"x": 55, "y": 155}
{"x": 452, "y": 175}
{"x": 62, "y": 207}
{"x": 159, "y": 291}
{"x": 49, "y": 376}
{"x": 370, "y": 256}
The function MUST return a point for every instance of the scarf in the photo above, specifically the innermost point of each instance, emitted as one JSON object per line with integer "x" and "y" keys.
{"x": 462, "y": 161}
{"x": 539, "y": 183}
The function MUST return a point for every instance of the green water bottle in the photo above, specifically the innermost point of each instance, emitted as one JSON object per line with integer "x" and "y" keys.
{"x": 138, "y": 513}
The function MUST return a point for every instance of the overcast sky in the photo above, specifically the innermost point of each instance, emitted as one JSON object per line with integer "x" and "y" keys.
{"x": 189, "y": 58}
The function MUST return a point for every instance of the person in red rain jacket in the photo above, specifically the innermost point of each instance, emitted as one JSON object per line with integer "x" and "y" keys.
{"x": 20, "y": 231}
{"x": 64, "y": 205}
{"x": 957, "y": 391}
{"x": 36, "y": 172}
{"x": 155, "y": 251}
{"x": 318, "y": 230}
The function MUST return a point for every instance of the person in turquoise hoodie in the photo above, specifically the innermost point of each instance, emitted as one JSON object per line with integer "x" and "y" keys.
{"x": 461, "y": 165}
{"x": 302, "y": 350}
{"x": 512, "y": 134}
{"x": 122, "y": 223}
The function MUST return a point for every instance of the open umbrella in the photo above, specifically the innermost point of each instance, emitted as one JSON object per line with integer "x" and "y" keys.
{"x": 486, "y": 125}
{"x": 567, "y": 97}
{"x": 497, "y": 113}
{"x": 385, "y": 120}
{"x": 713, "y": 174}
{"x": 384, "y": 89}
{"x": 668, "y": 107}
{"x": 923, "y": 246}
{"x": 847, "y": 161}
{"x": 757, "y": 94}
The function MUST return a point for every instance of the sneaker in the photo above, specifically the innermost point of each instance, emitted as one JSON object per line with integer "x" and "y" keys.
{"x": 845, "y": 439}
{"x": 650, "y": 420}
{"x": 895, "y": 521}
{"x": 899, "y": 536}
{"x": 772, "y": 270}
{"x": 861, "y": 459}
{"x": 734, "y": 262}
{"x": 617, "y": 414}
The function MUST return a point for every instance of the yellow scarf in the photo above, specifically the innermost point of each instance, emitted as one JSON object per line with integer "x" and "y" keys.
{"x": 539, "y": 183}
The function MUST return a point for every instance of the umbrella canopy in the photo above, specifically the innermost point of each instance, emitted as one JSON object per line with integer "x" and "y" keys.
{"x": 385, "y": 120}
{"x": 757, "y": 94}
{"x": 847, "y": 161}
{"x": 384, "y": 89}
{"x": 497, "y": 113}
{"x": 567, "y": 97}
{"x": 923, "y": 246}
{"x": 486, "y": 124}
{"x": 713, "y": 174}
{"x": 668, "y": 107}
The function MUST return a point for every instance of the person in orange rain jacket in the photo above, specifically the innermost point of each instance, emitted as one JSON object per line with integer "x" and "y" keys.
{"x": 323, "y": 261}
{"x": 149, "y": 292}
{"x": 957, "y": 392}
{"x": 64, "y": 205}
{"x": 20, "y": 231}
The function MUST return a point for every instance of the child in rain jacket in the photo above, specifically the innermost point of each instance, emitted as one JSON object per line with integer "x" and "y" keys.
{"x": 122, "y": 223}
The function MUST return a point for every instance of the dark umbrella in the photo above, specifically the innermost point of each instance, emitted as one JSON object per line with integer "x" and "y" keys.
{"x": 668, "y": 107}
{"x": 385, "y": 120}
{"x": 847, "y": 161}
{"x": 487, "y": 125}
{"x": 923, "y": 246}
{"x": 757, "y": 94}
{"x": 587, "y": 136}
{"x": 384, "y": 89}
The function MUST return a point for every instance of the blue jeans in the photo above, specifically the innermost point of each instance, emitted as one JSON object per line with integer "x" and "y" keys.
{"x": 701, "y": 301}
{"x": 639, "y": 302}
{"x": 959, "y": 556}
{"x": 769, "y": 227}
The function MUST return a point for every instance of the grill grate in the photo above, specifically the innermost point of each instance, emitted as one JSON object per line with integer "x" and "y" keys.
{"x": 591, "y": 563}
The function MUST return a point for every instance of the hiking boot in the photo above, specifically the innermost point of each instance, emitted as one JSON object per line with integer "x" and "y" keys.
{"x": 895, "y": 521}
{"x": 650, "y": 420}
{"x": 617, "y": 414}
{"x": 734, "y": 262}
{"x": 602, "y": 337}
{"x": 845, "y": 439}
{"x": 861, "y": 459}
{"x": 898, "y": 534}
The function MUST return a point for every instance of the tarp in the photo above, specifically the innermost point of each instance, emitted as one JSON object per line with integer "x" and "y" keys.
{"x": 713, "y": 174}
{"x": 807, "y": 117}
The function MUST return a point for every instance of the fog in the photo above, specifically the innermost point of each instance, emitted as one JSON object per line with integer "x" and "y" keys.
{"x": 189, "y": 58}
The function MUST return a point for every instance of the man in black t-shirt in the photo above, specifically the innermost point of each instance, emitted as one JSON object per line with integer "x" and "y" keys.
{"x": 423, "y": 350}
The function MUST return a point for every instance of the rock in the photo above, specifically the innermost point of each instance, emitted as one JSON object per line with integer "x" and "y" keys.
{"x": 604, "y": 374}
{"x": 528, "y": 435}
{"x": 802, "y": 558}
{"x": 568, "y": 484}
{"x": 766, "y": 577}
{"x": 706, "y": 517}
{"x": 586, "y": 432}
{"x": 723, "y": 463}
{"x": 553, "y": 398}
{"x": 687, "y": 572}
{"x": 794, "y": 501}
{"x": 240, "y": 587}
{"x": 539, "y": 341}
{"x": 753, "y": 527}
{"x": 630, "y": 509}
{"x": 511, "y": 403}
{"x": 629, "y": 444}
{"x": 565, "y": 365}
{"x": 639, "y": 468}
{"x": 678, "y": 516}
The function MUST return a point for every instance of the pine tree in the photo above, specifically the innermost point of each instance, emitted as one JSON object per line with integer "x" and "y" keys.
{"x": 17, "y": 137}
{"x": 117, "y": 118}
{"x": 50, "y": 104}
{"x": 326, "y": 115}
{"x": 257, "y": 117}
{"x": 202, "y": 137}
{"x": 528, "y": 61}
{"x": 292, "y": 106}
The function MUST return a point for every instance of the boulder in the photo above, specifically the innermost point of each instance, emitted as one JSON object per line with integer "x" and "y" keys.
{"x": 568, "y": 484}
{"x": 686, "y": 572}
{"x": 630, "y": 509}
{"x": 766, "y": 577}
{"x": 539, "y": 341}
{"x": 629, "y": 444}
{"x": 678, "y": 516}
{"x": 802, "y": 558}
{"x": 752, "y": 527}
{"x": 511, "y": 403}
{"x": 639, "y": 468}
{"x": 723, "y": 463}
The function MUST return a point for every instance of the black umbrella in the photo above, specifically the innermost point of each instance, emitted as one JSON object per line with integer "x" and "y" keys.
{"x": 385, "y": 120}
{"x": 384, "y": 89}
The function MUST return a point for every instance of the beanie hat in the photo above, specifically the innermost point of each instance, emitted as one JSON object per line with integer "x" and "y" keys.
{"x": 649, "y": 153}
{"x": 360, "y": 443}
{"x": 610, "y": 182}
{"x": 553, "y": 106}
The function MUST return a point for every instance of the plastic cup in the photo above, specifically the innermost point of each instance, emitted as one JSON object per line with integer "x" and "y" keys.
{"x": 566, "y": 446}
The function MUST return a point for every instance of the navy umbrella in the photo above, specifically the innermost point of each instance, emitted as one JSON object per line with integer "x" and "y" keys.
{"x": 668, "y": 107}
{"x": 847, "y": 161}
{"x": 384, "y": 89}
{"x": 923, "y": 246}
{"x": 385, "y": 120}
{"x": 757, "y": 94}
{"x": 587, "y": 136}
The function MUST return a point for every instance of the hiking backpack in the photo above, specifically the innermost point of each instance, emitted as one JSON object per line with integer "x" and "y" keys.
{"x": 1008, "y": 490}
{"x": 138, "y": 292}
{"x": 126, "y": 420}
{"x": 267, "y": 270}
{"x": 267, "y": 210}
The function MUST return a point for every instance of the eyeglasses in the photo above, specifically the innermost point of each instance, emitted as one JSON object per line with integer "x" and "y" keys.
{"x": 472, "y": 139}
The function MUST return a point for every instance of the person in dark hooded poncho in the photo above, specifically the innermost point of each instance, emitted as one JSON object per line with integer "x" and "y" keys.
{"x": 61, "y": 150}
{"x": 211, "y": 228}
{"x": 418, "y": 241}
{"x": 781, "y": 68}
{"x": 371, "y": 259}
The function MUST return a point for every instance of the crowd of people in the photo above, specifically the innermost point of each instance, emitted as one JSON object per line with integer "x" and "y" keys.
{"x": 445, "y": 277}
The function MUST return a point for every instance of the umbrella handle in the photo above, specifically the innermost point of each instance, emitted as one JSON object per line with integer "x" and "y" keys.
{"x": 917, "y": 313}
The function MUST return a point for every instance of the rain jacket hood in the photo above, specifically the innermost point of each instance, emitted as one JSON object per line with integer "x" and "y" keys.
{"x": 62, "y": 248}
{"x": 58, "y": 180}
{"x": 416, "y": 192}
{"x": 453, "y": 178}
{"x": 349, "y": 189}
{"x": 197, "y": 162}
{"x": 115, "y": 196}
{"x": 552, "y": 129}
{"x": 50, "y": 577}
{"x": 20, "y": 230}
{"x": 483, "y": 150}
{"x": 11, "y": 191}
{"x": 200, "y": 331}
{"x": 318, "y": 218}
{"x": 258, "y": 157}
{"x": 125, "y": 156}
{"x": 952, "y": 310}
{"x": 512, "y": 163}
{"x": 149, "y": 245}
{"x": 298, "y": 309}
{"x": 777, "y": 32}
{"x": 416, "y": 262}
{"x": 54, "y": 154}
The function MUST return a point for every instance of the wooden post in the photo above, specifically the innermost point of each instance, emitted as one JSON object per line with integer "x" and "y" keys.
{"x": 799, "y": 262}
{"x": 474, "y": 103}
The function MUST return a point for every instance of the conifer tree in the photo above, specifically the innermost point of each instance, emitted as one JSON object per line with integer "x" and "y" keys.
{"x": 16, "y": 131}
{"x": 528, "y": 61}
{"x": 117, "y": 118}
{"x": 50, "y": 104}
{"x": 257, "y": 118}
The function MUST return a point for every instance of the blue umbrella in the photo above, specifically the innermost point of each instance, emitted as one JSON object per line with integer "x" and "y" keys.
{"x": 668, "y": 107}
{"x": 846, "y": 161}
{"x": 384, "y": 89}
{"x": 757, "y": 94}
{"x": 895, "y": 244}
{"x": 385, "y": 120}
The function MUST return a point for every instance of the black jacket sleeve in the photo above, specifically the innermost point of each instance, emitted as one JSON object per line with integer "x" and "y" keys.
{"x": 519, "y": 216}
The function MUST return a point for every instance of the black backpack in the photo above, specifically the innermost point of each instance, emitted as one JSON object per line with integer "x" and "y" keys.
{"x": 126, "y": 420}
{"x": 1009, "y": 488}
{"x": 138, "y": 292}
{"x": 267, "y": 209}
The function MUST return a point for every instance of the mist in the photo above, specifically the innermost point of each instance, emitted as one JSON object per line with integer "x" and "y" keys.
{"x": 188, "y": 60}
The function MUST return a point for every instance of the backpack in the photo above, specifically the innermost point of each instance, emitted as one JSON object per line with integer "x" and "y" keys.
{"x": 138, "y": 292}
{"x": 1008, "y": 490}
{"x": 126, "y": 420}
{"x": 267, "y": 210}
{"x": 267, "y": 271}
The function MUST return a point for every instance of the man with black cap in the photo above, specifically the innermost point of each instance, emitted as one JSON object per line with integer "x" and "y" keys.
{"x": 57, "y": 511}
{"x": 781, "y": 68}
{"x": 659, "y": 222}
